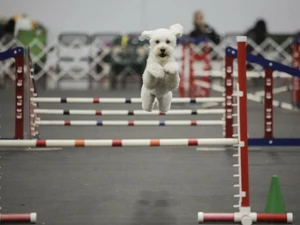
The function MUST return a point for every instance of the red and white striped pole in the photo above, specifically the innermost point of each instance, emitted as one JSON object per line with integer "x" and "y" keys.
{"x": 19, "y": 101}
{"x": 203, "y": 86}
{"x": 29, "y": 93}
{"x": 228, "y": 84}
{"x": 268, "y": 104}
{"x": 192, "y": 88}
{"x": 181, "y": 88}
{"x": 33, "y": 117}
{"x": 296, "y": 80}
{"x": 206, "y": 79}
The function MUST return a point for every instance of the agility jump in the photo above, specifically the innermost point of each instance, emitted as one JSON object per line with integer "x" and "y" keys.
{"x": 36, "y": 112}
{"x": 238, "y": 101}
{"x": 18, "y": 55}
{"x": 272, "y": 70}
{"x": 244, "y": 215}
{"x": 269, "y": 67}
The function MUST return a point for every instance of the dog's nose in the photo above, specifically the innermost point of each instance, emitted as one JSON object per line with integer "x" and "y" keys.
{"x": 162, "y": 50}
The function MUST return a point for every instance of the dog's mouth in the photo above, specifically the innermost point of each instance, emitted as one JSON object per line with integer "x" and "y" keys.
{"x": 162, "y": 55}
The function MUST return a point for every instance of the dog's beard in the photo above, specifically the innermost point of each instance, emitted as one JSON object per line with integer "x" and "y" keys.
{"x": 162, "y": 55}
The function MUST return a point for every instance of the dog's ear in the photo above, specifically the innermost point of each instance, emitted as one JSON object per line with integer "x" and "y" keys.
{"x": 176, "y": 29}
{"x": 147, "y": 34}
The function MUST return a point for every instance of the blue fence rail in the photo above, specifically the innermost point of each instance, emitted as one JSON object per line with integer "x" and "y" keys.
{"x": 11, "y": 53}
{"x": 265, "y": 62}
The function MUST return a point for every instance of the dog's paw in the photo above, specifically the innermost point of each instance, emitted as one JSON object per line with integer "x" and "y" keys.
{"x": 157, "y": 72}
{"x": 171, "y": 68}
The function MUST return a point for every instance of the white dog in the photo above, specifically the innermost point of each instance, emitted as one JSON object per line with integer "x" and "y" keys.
{"x": 161, "y": 75}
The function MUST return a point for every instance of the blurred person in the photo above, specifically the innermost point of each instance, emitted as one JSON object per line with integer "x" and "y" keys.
{"x": 202, "y": 29}
{"x": 20, "y": 22}
{"x": 258, "y": 33}
{"x": 127, "y": 52}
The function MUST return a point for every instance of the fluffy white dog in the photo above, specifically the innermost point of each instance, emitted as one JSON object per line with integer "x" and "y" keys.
{"x": 161, "y": 75}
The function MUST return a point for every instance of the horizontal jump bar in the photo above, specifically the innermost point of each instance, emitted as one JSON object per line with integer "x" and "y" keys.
{"x": 130, "y": 122}
{"x": 18, "y": 218}
{"x": 238, "y": 217}
{"x": 122, "y": 100}
{"x": 257, "y": 98}
{"x": 118, "y": 142}
{"x": 250, "y": 74}
{"x": 128, "y": 112}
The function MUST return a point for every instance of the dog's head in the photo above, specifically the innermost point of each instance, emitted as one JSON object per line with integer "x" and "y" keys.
{"x": 163, "y": 41}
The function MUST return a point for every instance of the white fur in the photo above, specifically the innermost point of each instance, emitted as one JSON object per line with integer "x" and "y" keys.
{"x": 161, "y": 75}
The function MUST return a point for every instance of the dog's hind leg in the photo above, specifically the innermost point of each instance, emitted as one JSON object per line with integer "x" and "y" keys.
{"x": 164, "y": 103}
{"x": 147, "y": 99}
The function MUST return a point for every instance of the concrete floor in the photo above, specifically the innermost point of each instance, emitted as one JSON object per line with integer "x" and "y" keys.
{"x": 140, "y": 186}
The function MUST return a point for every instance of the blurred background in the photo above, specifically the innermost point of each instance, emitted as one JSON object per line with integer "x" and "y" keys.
{"x": 95, "y": 43}
{"x": 92, "y": 49}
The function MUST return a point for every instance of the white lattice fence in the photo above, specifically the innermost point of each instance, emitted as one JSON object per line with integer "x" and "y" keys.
{"x": 78, "y": 60}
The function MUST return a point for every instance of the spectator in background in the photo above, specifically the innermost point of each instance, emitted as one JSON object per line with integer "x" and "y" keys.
{"x": 127, "y": 52}
{"x": 19, "y": 22}
{"x": 258, "y": 33}
{"x": 202, "y": 29}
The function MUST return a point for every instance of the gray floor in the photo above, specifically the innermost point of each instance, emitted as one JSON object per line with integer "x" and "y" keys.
{"x": 140, "y": 186}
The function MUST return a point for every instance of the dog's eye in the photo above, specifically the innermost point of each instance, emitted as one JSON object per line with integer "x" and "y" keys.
{"x": 167, "y": 41}
{"x": 157, "y": 41}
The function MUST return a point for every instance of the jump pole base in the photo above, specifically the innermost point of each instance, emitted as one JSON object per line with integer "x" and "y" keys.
{"x": 18, "y": 218}
{"x": 244, "y": 219}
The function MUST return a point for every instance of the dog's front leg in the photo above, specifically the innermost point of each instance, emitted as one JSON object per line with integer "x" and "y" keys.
{"x": 156, "y": 70}
{"x": 172, "y": 81}
{"x": 152, "y": 73}
{"x": 149, "y": 80}
{"x": 172, "y": 75}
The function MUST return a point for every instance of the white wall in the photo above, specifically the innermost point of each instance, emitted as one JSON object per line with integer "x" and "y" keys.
{"x": 136, "y": 15}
